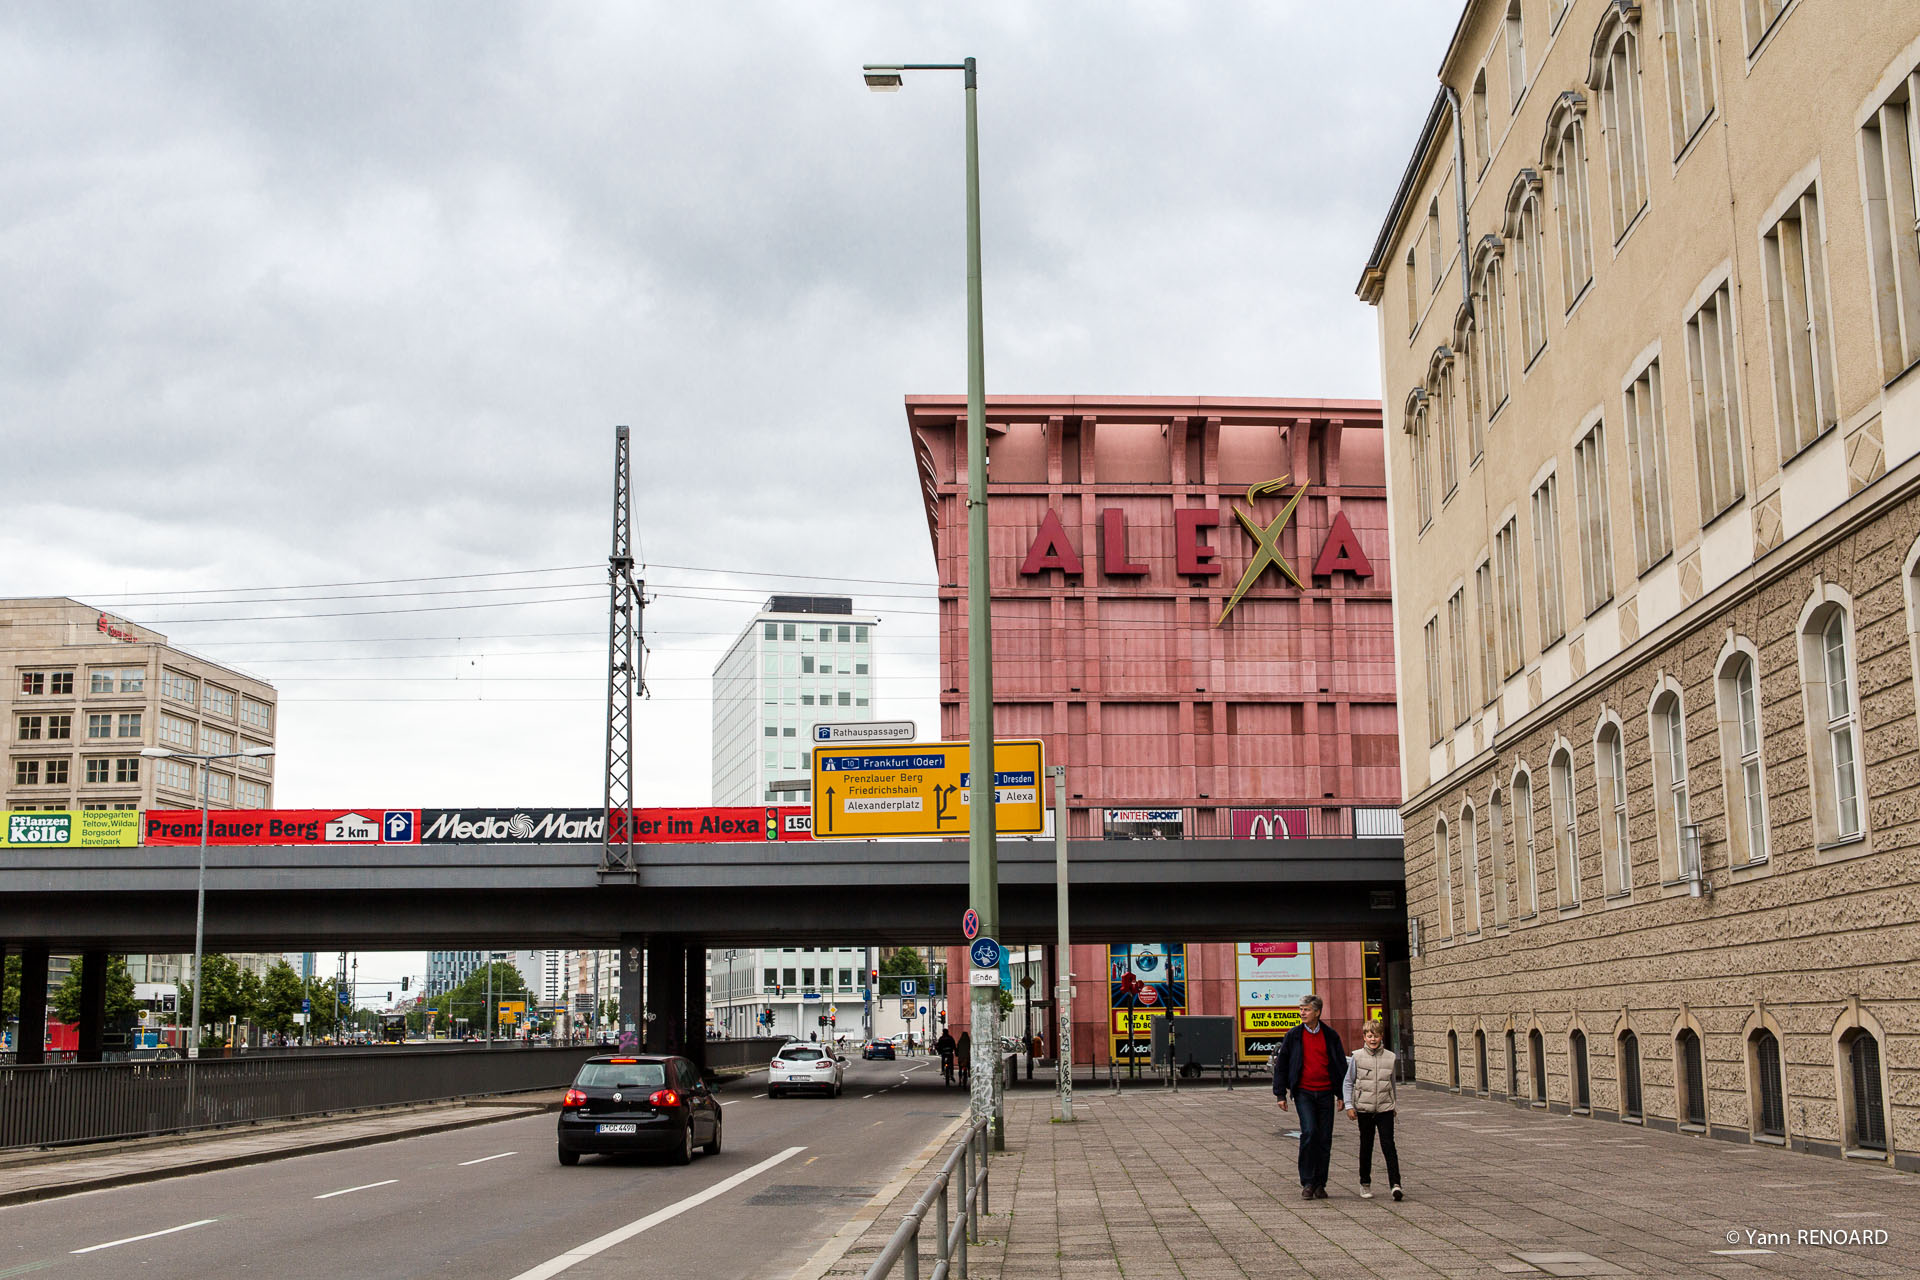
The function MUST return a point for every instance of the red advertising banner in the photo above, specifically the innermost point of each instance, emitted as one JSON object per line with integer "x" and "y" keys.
{"x": 764, "y": 823}
{"x": 282, "y": 826}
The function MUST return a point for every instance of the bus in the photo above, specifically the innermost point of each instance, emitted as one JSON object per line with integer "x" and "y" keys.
{"x": 393, "y": 1028}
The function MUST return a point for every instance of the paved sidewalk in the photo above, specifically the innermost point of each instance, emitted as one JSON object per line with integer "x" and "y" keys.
{"x": 42, "y": 1175}
{"x": 1201, "y": 1185}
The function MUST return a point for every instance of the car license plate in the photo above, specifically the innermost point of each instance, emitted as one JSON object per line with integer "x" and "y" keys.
{"x": 617, "y": 1128}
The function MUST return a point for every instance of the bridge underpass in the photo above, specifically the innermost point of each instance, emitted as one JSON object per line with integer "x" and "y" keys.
{"x": 681, "y": 901}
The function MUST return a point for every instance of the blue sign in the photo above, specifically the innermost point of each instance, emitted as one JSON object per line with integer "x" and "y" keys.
{"x": 909, "y": 987}
{"x": 970, "y": 925}
{"x": 985, "y": 953}
{"x": 306, "y": 1005}
{"x": 398, "y": 825}
{"x": 923, "y": 1011}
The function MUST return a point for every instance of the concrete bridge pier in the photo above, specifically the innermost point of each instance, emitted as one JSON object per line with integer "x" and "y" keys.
{"x": 93, "y": 1005}
{"x": 31, "y": 1050}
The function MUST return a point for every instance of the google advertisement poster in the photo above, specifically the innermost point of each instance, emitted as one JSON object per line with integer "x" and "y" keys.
{"x": 1272, "y": 976}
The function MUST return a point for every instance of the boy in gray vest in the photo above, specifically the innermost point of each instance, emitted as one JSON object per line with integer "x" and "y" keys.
{"x": 1369, "y": 1095}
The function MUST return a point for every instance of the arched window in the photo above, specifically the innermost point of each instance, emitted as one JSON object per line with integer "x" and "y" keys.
{"x": 1513, "y": 1065}
{"x": 1667, "y": 733}
{"x": 1866, "y": 1106}
{"x": 1492, "y": 303}
{"x": 1453, "y": 1059}
{"x": 1442, "y": 395}
{"x": 1577, "y": 1069}
{"x": 1769, "y": 1086}
{"x": 1569, "y": 163}
{"x": 1566, "y": 828}
{"x": 1480, "y": 1059}
{"x": 1742, "y": 772}
{"x": 1691, "y": 1076}
{"x": 1482, "y": 132}
{"x": 1689, "y": 56}
{"x": 1443, "y": 869}
{"x": 1526, "y": 877}
{"x": 1465, "y": 341}
{"x": 1435, "y": 254}
{"x": 1537, "y": 1051}
{"x": 1470, "y": 867}
{"x": 1413, "y": 294}
{"x": 1617, "y": 66}
{"x": 1610, "y": 780}
{"x": 1826, "y": 661}
{"x": 1497, "y": 856}
{"x": 1629, "y": 1056}
{"x": 1516, "y": 52}
{"x": 1529, "y": 274}
{"x": 1422, "y": 463}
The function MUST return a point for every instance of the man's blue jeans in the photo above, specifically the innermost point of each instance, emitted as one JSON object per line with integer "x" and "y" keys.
{"x": 1316, "y": 1136}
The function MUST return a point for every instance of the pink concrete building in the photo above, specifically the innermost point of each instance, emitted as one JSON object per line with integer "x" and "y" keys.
{"x": 1192, "y": 607}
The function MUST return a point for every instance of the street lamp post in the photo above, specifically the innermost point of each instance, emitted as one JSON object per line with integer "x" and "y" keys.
{"x": 983, "y": 872}
{"x": 200, "y": 891}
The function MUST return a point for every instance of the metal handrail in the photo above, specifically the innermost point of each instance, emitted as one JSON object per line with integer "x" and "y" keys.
{"x": 951, "y": 1238}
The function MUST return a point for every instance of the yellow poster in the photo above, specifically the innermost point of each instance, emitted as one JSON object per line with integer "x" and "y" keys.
{"x": 73, "y": 829}
{"x": 1269, "y": 1020}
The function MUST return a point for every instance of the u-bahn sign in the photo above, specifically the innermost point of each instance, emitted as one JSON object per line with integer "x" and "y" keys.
{"x": 921, "y": 789}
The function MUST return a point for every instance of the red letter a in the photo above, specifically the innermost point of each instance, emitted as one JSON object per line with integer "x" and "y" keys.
{"x": 1342, "y": 551}
{"x": 1051, "y": 549}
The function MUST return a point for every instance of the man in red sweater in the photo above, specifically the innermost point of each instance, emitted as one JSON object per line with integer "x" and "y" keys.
{"x": 1311, "y": 1065}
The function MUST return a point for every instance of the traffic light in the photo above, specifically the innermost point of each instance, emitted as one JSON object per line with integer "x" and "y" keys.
{"x": 403, "y": 982}
{"x": 389, "y": 997}
{"x": 823, "y": 1019}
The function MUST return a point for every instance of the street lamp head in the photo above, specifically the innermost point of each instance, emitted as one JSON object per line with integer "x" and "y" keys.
{"x": 882, "y": 79}
{"x": 156, "y": 753}
{"x": 255, "y": 753}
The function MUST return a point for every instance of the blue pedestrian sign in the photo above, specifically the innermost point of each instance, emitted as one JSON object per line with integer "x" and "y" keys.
{"x": 909, "y": 987}
{"x": 923, "y": 1011}
{"x": 985, "y": 953}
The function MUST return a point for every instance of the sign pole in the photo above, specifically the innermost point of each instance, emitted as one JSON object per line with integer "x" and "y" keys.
{"x": 1063, "y": 993}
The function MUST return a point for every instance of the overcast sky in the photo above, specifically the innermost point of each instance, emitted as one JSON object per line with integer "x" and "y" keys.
{"x": 299, "y": 296}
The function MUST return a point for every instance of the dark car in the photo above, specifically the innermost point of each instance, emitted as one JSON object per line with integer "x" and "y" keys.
{"x": 622, "y": 1104}
{"x": 878, "y": 1049}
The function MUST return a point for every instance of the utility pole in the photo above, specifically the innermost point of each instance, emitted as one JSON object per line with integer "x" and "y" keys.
{"x": 626, "y": 605}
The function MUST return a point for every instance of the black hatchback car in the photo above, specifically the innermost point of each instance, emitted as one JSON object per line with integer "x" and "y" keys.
{"x": 641, "y": 1103}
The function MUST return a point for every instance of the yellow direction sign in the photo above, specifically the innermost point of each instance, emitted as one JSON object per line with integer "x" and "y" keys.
{"x": 921, "y": 789}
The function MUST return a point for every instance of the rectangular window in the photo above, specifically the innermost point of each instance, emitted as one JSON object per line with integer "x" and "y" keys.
{"x": 859, "y": 635}
{"x": 128, "y": 725}
{"x": 253, "y": 795}
{"x": 126, "y": 769}
{"x": 844, "y": 699}
{"x": 806, "y": 979}
{"x": 1689, "y": 69}
{"x": 790, "y": 977}
{"x": 99, "y": 769}
{"x": 860, "y": 668}
{"x": 99, "y": 726}
{"x": 33, "y": 683}
{"x": 826, "y": 634}
{"x": 253, "y": 714}
{"x": 219, "y": 788}
{"x": 175, "y": 732}
{"x": 262, "y": 763}
{"x": 770, "y": 977}
{"x": 178, "y": 686}
{"x": 806, "y": 664}
{"x": 1590, "y": 511}
{"x": 1647, "y": 469}
{"x": 55, "y": 772}
{"x": 215, "y": 742}
{"x": 771, "y": 631}
{"x": 1506, "y": 555}
{"x": 1546, "y": 563}
{"x": 26, "y": 773}
{"x": 1489, "y": 637}
{"x": 1436, "y": 721}
{"x": 32, "y": 728}
{"x": 60, "y": 728}
{"x": 1888, "y": 142}
{"x": 218, "y": 701}
{"x": 1457, "y": 642}
{"x": 58, "y": 684}
{"x": 174, "y": 775}
{"x": 846, "y": 635}
{"x": 1799, "y": 328}
{"x": 1760, "y": 19}
{"x": 846, "y": 978}
{"x": 1713, "y": 378}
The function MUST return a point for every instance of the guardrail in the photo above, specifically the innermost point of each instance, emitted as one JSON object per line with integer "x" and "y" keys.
{"x": 950, "y": 1237}
{"x": 74, "y": 1102}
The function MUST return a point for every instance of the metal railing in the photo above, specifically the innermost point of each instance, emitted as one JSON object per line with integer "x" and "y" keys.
{"x": 969, "y": 1158}
{"x": 74, "y": 1102}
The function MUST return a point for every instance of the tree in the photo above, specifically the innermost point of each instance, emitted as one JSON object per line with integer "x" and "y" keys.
{"x": 469, "y": 999}
{"x": 10, "y": 990}
{"x": 231, "y": 992}
{"x": 904, "y": 962}
{"x": 280, "y": 996}
{"x": 122, "y": 1008}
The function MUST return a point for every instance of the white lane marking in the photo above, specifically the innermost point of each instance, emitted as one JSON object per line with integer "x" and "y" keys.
{"x": 185, "y": 1226}
{"x": 620, "y": 1235}
{"x": 365, "y": 1186}
{"x": 483, "y": 1159}
{"x": 729, "y": 1102}
{"x": 759, "y": 1095}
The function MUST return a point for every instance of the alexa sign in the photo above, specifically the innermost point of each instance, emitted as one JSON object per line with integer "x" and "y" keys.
{"x": 1052, "y": 547}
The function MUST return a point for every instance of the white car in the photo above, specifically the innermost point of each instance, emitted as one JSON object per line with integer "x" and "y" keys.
{"x": 802, "y": 1068}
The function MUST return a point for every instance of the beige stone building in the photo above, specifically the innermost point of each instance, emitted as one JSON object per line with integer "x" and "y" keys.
{"x": 90, "y": 689}
{"x": 1649, "y": 304}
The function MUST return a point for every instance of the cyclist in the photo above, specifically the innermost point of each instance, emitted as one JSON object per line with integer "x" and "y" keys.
{"x": 944, "y": 1046}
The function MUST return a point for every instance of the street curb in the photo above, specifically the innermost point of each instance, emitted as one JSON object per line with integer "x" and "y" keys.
{"x": 54, "y": 1191}
{"x": 830, "y": 1253}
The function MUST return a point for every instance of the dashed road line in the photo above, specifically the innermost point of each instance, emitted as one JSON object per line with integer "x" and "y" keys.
{"x": 112, "y": 1244}
{"x": 483, "y": 1159}
{"x": 365, "y": 1186}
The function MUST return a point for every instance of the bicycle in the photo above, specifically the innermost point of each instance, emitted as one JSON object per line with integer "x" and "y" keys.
{"x": 946, "y": 1068}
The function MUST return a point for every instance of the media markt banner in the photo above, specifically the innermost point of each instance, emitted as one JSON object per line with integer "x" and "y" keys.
{"x": 73, "y": 829}
{"x": 534, "y": 826}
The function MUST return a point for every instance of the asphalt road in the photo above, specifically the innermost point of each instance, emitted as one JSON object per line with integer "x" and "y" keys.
{"x": 492, "y": 1201}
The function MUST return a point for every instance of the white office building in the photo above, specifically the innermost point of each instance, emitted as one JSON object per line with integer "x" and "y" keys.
{"x": 802, "y": 661}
